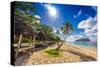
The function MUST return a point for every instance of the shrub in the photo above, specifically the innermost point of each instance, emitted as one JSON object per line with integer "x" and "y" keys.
{"x": 53, "y": 52}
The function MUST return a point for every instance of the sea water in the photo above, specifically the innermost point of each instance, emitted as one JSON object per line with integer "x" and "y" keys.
{"x": 87, "y": 44}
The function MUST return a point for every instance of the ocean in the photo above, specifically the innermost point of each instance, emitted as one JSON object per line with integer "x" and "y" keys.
{"x": 87, "y": 44}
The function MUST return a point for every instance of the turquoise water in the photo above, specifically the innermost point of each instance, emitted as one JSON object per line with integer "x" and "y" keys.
{"x": 87, "y": 44}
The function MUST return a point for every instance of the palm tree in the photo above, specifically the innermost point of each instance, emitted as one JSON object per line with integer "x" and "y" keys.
{"x": 58, "y": 39}
{"x": 22, "y": 10}
{"x": 45, "y": 30}
{"x": 67, "y": 27}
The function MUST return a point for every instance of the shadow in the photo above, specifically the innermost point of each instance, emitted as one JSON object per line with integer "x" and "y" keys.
{"x": 24, "y": 54}
{"x": 30, "y": 50}
{"x": 83, "y": 57}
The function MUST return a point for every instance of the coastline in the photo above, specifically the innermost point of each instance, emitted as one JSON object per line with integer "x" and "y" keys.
{"x": 87, "y": 51}
{"x": 80, "y": 46}
{"x": 71, "y": 53}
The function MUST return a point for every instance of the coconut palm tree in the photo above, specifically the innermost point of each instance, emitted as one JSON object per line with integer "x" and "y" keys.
{"x": 45, "y": 30}
{"x": 66, "y": 29}
{"x": 22, "y": 10}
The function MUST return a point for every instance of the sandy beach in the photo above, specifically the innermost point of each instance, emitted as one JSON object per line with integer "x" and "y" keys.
{"x": 70, "y": 53}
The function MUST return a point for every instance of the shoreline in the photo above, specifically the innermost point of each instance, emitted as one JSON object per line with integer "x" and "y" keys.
{"x": 92, "y": 52}
{"x": 80, "y": 46}
{"x": 71, "y": 53}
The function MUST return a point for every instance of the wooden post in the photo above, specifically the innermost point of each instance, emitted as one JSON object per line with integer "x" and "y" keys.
{"x": 18, "y": 45}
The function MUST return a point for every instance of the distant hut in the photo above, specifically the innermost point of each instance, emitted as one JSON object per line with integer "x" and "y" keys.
{"x": 42, "y": 35}
{"x": 42, "y": 39}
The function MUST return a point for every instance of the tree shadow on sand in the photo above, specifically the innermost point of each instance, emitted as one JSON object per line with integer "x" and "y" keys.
{"x": 83, "y": 57}
{"x": 26, "y": 53}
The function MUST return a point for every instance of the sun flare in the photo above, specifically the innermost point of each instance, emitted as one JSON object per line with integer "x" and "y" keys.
{"x": 51, "y": 10}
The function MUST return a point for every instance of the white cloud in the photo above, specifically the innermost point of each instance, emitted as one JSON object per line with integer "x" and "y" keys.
{"x": 95, "y": 19}
{"x": 37, "y": 16}
{"x": 72, "y": 38}
{"x": 93, "y": 29}
{"x": 86, "y": 24}
{"x": 78, "y": 14}
{"x": 90, "y": 27}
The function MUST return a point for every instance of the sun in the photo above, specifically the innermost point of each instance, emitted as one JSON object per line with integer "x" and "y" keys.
{"x": 52, "y": 10}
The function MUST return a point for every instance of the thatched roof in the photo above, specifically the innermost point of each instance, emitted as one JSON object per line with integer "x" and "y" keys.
{"x": 21, "y": 27}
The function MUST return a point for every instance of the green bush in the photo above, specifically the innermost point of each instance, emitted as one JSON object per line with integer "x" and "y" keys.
{"x": 53, "y": 52}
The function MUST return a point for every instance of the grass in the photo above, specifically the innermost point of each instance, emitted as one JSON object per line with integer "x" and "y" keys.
{"x": 53, "y": 52}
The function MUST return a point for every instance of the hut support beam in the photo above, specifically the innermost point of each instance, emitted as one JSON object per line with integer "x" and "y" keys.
{"x": 19, "y": 44}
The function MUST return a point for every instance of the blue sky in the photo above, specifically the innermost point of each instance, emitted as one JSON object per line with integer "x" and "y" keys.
{"x": 83, "y": 18}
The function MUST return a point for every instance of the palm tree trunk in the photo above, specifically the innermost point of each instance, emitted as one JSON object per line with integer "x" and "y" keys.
{"x": 19, "y": 44}
{"x": 59, "y": 46}
{"x": 57, "y": 43}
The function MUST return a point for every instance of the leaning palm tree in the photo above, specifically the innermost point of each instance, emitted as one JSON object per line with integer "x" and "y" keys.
{"x": 66, "y": 29}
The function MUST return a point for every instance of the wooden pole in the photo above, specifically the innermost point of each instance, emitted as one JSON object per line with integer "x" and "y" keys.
{"x": 18, "y": 45}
